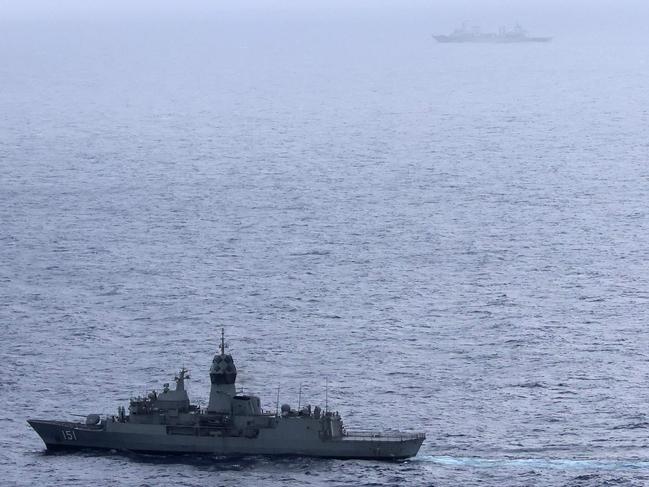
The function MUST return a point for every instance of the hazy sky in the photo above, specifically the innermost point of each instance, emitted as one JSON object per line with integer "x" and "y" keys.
{"x": 576, "y": 8}
{"x": 550, "y": 16}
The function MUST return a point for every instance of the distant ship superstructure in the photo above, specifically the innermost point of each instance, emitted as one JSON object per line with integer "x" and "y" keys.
{"x": 232, "y": 424}
{"x": 504, "y": 35}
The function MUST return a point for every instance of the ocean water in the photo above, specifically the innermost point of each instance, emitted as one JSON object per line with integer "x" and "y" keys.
{"x": 456, "y": 237}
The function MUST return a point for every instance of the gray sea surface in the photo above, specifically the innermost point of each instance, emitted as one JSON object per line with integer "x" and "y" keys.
{"x": 456, "y": 237}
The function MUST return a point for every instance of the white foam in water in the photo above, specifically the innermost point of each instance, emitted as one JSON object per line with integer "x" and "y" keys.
{"x": 541, "y": 463}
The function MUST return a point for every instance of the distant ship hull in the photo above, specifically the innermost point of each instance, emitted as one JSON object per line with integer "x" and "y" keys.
{"x": 287, "y": 438}
{"x": 489, "y": 39}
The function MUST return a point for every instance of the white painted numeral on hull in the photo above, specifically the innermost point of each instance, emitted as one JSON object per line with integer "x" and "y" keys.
{"x": 68, "y": 435}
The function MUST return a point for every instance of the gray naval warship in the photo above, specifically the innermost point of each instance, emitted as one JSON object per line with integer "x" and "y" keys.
{"x": 231, "y": 425}
{"x": 503, "y": 36}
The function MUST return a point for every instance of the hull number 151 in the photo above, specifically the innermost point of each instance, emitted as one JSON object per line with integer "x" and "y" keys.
{"x": 68, "y": 435}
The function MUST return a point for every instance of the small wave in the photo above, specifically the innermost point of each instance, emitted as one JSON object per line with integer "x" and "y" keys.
{"x": 591, "y": 299}
{"x": 531, "y": 385}
{"x": 632, "y": 426}
{"x": 310, "y": 252}
{"x": 538, "y": 463}
{"x": 113, "y": 292}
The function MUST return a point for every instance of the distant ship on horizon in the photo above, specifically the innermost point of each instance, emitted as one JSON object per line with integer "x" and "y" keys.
{"x": 504, "y": 35}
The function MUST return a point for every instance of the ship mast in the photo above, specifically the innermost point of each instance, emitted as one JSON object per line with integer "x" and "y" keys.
{"x": 223, "y": 375}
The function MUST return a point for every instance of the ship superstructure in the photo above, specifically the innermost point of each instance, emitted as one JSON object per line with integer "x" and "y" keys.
{"x": 503, "y": 36}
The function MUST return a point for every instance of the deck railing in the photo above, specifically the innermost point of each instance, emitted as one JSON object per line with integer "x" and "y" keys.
{"x": 383, "y": 435}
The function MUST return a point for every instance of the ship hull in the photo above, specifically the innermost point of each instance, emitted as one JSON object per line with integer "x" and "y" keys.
{"x": 489, "y": 39}
{"x": 58, "y": 435}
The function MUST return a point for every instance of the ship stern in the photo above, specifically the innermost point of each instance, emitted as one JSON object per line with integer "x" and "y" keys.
{"x": 382, "y": 446}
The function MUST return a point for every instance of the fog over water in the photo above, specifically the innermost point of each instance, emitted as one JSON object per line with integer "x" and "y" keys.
{"x": 456, "y": 236}
{"x": 557, "y": 15}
